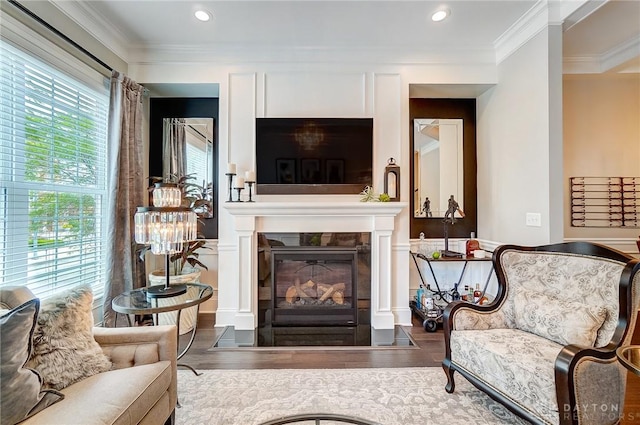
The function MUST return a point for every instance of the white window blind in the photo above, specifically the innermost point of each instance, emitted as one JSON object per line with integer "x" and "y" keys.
{"x": 53, "y": 160}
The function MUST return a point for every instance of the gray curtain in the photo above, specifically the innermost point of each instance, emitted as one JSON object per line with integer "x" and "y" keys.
{"x": 125, "y": 271}
{"x": 174, "y": 149}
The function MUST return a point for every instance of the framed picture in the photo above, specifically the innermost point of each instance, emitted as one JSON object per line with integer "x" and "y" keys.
{"x": 335, "y": 171}
{"x": 310, "y": 172}
{"x": 286, "y": 171}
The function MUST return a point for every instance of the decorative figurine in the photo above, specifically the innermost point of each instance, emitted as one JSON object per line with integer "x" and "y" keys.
{"x": 452, "y": 208}
{"x": 426, "y": 207}
{"x": 449, "y": 218}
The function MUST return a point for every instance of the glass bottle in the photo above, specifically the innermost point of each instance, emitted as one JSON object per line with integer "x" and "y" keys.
{"x": 472, "y": 245}
{"x": 465, "y": 295}
{"x": 455, "y": 295}
{"x": 477, "y": 294}
{"x": 422, "y": 245}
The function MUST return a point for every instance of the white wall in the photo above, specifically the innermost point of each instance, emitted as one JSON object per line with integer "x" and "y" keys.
{"x": 519, "y": 155}
{"x": 250, "y": 90}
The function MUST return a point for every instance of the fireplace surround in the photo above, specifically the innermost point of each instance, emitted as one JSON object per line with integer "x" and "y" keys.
{"x": 238, "y": 302}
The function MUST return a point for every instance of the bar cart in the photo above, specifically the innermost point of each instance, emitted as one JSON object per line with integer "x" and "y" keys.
{"x": 430, "y": 308}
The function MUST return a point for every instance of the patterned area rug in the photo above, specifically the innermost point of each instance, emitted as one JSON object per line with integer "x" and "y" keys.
{"x": 388, "y": 396}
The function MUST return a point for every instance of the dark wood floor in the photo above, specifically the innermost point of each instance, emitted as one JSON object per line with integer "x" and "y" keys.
{"x": 430, "y": 354}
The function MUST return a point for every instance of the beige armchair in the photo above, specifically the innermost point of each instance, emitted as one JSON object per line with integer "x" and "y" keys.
{"x": 140, "y": 388}
{"x": 545, "y": 347}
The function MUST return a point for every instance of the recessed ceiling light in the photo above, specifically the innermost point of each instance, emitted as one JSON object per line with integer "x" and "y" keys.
{"x": 440, "y": 15}
{"x": 202, "y": 15}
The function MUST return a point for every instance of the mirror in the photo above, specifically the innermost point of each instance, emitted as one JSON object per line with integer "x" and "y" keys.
{"x": 464, "y": 111}
{"x": 188, "y": 150}
{"x": 438, "y": 166}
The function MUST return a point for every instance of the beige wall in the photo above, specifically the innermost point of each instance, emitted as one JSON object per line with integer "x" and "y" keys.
{"x": 601, "y": 136}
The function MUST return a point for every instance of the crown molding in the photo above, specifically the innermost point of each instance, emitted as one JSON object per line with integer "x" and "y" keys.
{"x": 620, "y": 54}
{"x": 523, "y": 30}
{"x": 95, "y": 24}
{"x": 242, "y": 54}
{"x": 575, "y": 11}
{"x": 605, "y": 62}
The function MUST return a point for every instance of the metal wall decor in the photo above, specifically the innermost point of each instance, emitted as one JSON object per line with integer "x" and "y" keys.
{"x": 605, "y": 201}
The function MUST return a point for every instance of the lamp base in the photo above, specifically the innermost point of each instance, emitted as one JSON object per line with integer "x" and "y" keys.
{"x": 162, "y": 291}
{"x": 451, "y": 254}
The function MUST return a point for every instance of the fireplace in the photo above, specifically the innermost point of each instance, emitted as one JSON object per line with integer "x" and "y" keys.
{"x": 313, "y": 286}
{"x": 242, "y": 297}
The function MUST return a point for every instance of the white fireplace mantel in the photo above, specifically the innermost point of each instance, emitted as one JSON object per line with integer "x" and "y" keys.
{"x": 331, "y": 209}
{"x": 378, "y": 218}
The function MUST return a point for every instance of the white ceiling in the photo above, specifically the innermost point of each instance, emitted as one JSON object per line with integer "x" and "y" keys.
{"x": 606, "y": 40}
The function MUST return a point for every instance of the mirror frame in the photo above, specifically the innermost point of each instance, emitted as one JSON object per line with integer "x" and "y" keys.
{"x": 184, "y": 107}
{"x": 441, "y": 204}
{"x": 447, "y": 108}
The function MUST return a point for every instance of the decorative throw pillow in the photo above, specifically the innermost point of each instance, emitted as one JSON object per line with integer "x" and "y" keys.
{"x": 21, "y": 388}
{"x": 563, "y": 321}
{"x": 64, "y": 350}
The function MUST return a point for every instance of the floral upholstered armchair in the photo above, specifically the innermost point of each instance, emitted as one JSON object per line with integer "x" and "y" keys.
{"x": 545, "y": 347}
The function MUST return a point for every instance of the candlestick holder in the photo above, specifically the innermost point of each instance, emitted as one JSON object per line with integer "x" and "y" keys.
{"x": 250, "y": 186}
{"x": 239, "y": 189}
{"x": 230, "y": 176}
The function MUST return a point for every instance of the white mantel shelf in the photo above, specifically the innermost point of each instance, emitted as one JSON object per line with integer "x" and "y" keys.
{"x": 238, "y": 300}
{"x": 314, "y": 208}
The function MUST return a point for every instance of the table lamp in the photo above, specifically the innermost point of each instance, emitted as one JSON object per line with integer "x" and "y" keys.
{"x": 165, "y": 226}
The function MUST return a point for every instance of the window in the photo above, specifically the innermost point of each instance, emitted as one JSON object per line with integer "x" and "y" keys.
{"x": 53, "y": 160}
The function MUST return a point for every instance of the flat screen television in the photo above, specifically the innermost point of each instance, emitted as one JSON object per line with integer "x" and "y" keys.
{"x": 313, "y": 155}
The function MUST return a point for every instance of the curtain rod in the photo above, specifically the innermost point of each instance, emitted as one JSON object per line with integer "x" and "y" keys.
{"x": 60, "y": 34}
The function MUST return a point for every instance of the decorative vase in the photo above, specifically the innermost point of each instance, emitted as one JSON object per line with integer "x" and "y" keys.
{"x": 189, "y": 316}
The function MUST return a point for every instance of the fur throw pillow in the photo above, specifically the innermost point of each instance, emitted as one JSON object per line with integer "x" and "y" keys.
{"x": 64, "y": 350}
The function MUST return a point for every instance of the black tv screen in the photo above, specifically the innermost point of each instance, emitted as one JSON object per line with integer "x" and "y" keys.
{"x": 313, "y": 155}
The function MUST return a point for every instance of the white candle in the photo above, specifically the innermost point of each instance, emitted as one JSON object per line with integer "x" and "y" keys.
{"x": 239, "y": 182}
{"x": 250, "y": 176}
{"x": 231, "y": 168}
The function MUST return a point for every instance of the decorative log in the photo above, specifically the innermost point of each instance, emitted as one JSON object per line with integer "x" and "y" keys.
{"x": 338, "y": 297}
{"x": 338, "y": 287}
{"x": 327, "y": 294}
{"x": 308, "y": 284}
{"x": 301, "y": 292}
{"x": 322, "y": 289}
{"x": 291, "y": 294}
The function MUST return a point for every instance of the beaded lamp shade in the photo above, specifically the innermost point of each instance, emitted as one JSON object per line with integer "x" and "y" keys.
{"x": 165, "y": 227}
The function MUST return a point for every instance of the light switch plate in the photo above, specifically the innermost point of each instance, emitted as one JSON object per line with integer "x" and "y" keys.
{"x": 534, "y": 219}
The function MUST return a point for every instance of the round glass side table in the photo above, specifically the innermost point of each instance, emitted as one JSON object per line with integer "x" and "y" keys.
{"x": 137, "y": 302}
{"x": 629, "y": 356}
